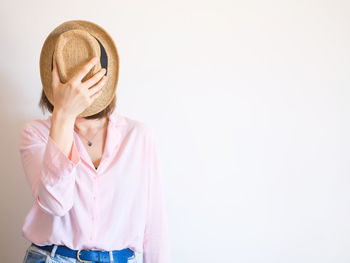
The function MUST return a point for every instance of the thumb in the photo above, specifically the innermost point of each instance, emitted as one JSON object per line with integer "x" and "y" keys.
{"x": 55, "y": 76}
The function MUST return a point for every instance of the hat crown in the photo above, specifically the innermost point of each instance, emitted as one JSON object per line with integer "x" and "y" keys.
{"x": 73, "y": 49}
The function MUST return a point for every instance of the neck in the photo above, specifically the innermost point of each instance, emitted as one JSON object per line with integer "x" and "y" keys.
{"x": 86, "y": 126}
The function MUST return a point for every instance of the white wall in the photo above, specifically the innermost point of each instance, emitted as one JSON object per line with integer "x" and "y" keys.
{"x": 250, "y": 102}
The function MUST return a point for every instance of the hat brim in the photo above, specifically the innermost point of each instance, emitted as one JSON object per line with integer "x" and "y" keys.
{"x": 110, "y": 87}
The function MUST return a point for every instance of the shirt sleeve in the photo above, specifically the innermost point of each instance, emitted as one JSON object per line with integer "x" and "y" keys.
{"x": 156, "y": 246}
{"x": 50, "y": 173}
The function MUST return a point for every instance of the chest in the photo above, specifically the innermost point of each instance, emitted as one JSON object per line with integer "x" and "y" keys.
{"x": 96, "y": 149}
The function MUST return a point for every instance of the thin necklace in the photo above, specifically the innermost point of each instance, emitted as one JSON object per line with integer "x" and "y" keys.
{"x": 89, "y": 141}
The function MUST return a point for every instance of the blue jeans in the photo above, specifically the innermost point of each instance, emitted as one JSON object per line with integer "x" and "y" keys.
{"x": 37, "y": 255}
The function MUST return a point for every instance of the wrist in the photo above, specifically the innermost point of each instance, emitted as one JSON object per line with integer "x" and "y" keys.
{"x": 62, "y": 116}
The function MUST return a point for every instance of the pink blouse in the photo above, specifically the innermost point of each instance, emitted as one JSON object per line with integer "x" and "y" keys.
{"x": 121, "y": 204}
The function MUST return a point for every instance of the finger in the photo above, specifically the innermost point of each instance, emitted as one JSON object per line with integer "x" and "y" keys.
{"x": 86, "y": 68}
{"x": 94, "y": 79}
{"x": 98, "y": 86}
{"x": 55, "y": 76}
{"x": 94, "y": 96}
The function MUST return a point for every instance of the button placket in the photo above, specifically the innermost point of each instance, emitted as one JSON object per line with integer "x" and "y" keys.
{"x": 94, "y": 207}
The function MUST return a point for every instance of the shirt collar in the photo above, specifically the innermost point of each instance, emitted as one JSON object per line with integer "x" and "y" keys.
{"x": 116, "y": 118}
{"x": 113, "y": 139}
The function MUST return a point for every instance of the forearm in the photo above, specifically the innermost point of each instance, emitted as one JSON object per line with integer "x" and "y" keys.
{"x": 61, "y": 130}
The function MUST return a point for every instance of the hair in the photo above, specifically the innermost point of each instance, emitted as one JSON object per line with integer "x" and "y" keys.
{"x": 45, "y": 105}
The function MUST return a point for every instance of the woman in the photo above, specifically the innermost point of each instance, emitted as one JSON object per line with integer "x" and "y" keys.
{"x": 98, "y": 194}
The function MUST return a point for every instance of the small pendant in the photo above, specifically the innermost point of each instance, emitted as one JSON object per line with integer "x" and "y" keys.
{"x": 89, "y": 143}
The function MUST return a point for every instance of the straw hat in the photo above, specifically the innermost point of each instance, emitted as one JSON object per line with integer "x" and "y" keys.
{"x": 73, "y": 44}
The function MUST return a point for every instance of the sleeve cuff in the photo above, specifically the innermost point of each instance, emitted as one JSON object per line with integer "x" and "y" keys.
{"x": 74, "y": 155}
{"x": 56, "y": 161}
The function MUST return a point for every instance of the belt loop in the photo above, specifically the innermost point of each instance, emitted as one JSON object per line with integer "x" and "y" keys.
{"x": 111, "y": 256}
{"x": 53, "y": 251}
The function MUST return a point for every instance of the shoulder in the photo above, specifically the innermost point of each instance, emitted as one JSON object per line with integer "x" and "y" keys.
{"x": 137, "y": 126}
{"x": 33, "y": 132}
{"x": 38, "y": 127}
